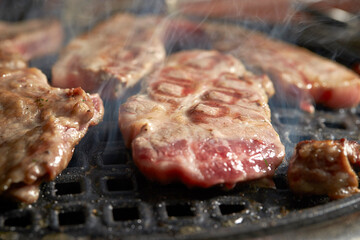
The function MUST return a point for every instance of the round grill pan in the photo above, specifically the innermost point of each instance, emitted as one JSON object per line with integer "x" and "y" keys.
{"x": 101, "y": 193}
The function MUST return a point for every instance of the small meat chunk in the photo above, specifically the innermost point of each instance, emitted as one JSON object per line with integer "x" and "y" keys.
{"x": 114, "y": 55}
{"x": 202, "y": 120}
{"x": 31, "y": 38}
{"x": 39, "y": 129}
{"x": 324, "y": 168}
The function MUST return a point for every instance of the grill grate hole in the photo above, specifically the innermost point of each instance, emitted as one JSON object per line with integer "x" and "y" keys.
{"x": 23, "y": 221}
{"x": 72, "y": 218}
{"x": 119, "y": 184}
{"x": 227, "y": 209}
{"x": 125, "y": 214}
{"x": 68, "y": 188}
{"x": 6, "y": 206}
{"x": 289, "y": 120}
{"x": 114, "y": 158}
{"x": 335, "y": 125}
{"x": 179, "y": 211}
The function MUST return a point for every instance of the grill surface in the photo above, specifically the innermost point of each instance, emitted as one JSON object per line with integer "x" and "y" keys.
{"x": 101, "y": 193}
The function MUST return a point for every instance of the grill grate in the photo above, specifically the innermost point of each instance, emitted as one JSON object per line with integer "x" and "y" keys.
{"x": 101, "y": 193}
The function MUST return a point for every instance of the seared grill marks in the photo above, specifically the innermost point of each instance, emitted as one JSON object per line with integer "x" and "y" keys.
{"x": 202, "y": 120}
{"x": 125, "y": 48}
{"x": 303, "y": 77}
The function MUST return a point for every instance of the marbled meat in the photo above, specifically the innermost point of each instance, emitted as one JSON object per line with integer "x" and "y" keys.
{"x": 114, "y": 55}
{"x": 204, "y": 120}
{"x": 325, "y": 168}
{"x": 298, "y": 74}
{"x": 30, "y": 39}
{"x": 40, "y": 127}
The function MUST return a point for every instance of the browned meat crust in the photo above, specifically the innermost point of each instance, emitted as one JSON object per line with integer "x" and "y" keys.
{"x": 40, "y": 126}
{"x": 324, "y": 168}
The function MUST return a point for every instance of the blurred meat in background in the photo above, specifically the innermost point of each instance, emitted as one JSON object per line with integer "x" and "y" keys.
{"x": 327, "y": 27}
{"x": 352, "y": 6}
{"x": 268, "y": 11}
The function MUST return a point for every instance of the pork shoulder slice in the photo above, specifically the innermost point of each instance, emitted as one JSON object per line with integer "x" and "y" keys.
{"x": 114, "y": 55}
{"x": 300, "y": 75}
{"x": 324, "y": 168}
{"x": 204, "y": 120}
{"x": 31, "y": 38}
{"x": 39, "y": 129}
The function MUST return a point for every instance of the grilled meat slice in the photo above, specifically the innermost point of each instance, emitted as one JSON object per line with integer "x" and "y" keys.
{"x": 268, "y": 11}
{"x": 203, "y": 120}
{"x": 324, "y": 168}
{"x": 40, "y": 127}
{"x": 115, "y": 54}
{"x": 31, "y": 38}
{"x": 302, "y": 76}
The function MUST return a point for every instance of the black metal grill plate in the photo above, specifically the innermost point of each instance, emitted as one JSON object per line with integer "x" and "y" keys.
{"x": 101, "y": 193}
